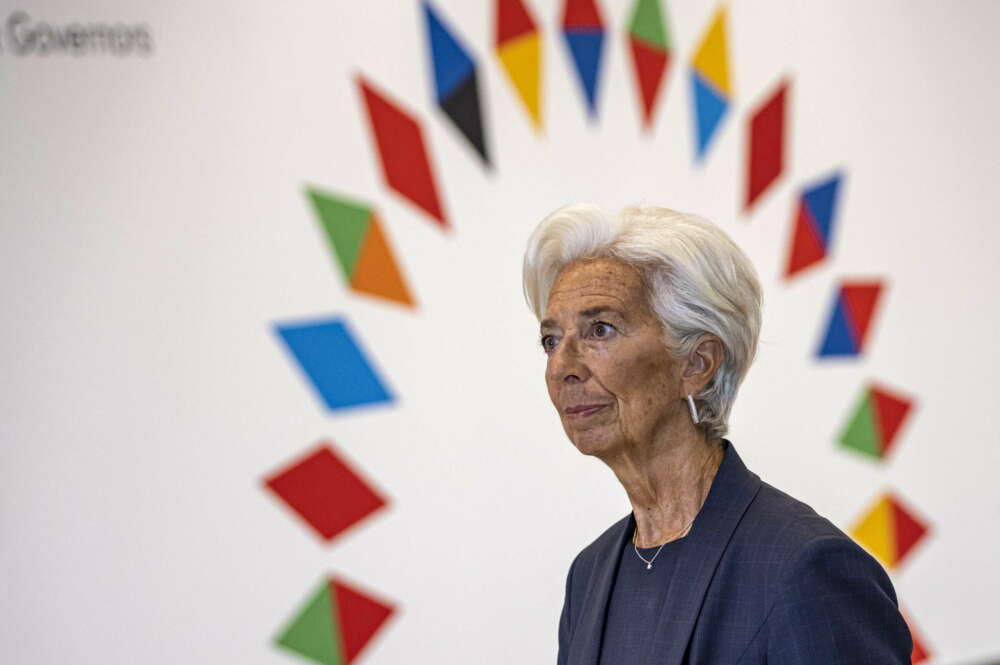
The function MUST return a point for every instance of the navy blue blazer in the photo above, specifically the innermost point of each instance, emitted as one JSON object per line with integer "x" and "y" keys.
{"x": 760, "y": 578}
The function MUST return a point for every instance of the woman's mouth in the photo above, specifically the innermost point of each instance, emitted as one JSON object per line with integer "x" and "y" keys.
{"x": 584, "y": 410}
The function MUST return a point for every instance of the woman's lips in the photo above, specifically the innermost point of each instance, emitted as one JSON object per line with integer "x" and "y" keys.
{"x": 584, "y": 410}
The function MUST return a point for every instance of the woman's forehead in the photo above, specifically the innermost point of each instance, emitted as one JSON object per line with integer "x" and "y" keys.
{"x": 585, "y": 283}
{"x": 597, "y": 272}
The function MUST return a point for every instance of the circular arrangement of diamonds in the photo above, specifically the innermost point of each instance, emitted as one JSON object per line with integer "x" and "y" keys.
{"x": 328, "y": 493}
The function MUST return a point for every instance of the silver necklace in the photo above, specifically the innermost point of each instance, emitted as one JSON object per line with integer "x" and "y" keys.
{"x": 649, "y": 562}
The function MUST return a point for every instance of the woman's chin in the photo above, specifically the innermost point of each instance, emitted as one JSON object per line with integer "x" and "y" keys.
{"x": 591, "y": 442}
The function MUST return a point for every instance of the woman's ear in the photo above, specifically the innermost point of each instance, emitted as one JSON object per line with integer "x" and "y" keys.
{"x": 702, "y": 363}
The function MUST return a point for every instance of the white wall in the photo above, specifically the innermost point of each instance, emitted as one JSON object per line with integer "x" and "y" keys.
{"x": 154, "y": 227}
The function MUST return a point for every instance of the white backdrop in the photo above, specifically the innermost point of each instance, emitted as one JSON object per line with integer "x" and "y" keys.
{"x": 155, "y": 227}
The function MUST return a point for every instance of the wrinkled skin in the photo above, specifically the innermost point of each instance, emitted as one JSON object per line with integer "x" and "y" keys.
{"x": 620, "y": 392}
{"x": 616, "y": 358}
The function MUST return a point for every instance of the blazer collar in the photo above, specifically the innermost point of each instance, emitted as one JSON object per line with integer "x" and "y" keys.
{"x": 733, "y": 488}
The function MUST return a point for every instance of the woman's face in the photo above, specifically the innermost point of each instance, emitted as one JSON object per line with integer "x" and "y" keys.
{"x": 609, "y": 373}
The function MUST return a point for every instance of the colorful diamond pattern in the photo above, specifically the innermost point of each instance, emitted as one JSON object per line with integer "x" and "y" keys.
{"x": 889, "y": 531}
{"x": 583, "y": 30}
{"x": 651, "y": 48}
{"x": 335, "y": 624}
{"x": 711, "y": 88}
{"x": 456, "y": 83}
{"x": 325, "y": 491}
{"x": 338, "y": 620}
{"x": 766, "y": 145}
{"x": 360, "y": 245}
{"x": 519, "y": 49}
{"x": 334, "y": 363}
{"x": 876, "y": 422}
{"x": 402, "y": 152}
{"x": 814, "y": 223}
{"x": 851, "y": 318}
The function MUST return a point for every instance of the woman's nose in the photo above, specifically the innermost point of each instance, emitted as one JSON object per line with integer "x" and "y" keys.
{"x": 566, "y": 362}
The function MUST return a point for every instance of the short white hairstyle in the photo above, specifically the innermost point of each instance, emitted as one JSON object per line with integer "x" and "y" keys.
{"x": 697, "y": 280}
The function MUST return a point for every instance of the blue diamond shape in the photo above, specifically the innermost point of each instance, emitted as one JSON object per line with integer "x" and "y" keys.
{"x": 336, "y": 366}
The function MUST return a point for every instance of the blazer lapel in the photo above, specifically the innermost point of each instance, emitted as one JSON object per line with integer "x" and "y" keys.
{"x": 733, "y": 488}
{"x": 585, "y": 648}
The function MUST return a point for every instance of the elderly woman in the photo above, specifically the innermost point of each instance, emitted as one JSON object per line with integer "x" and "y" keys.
{"x": 650, "y": 321}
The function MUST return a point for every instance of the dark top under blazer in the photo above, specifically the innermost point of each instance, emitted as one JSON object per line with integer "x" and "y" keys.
{"x": 760, "y": 578}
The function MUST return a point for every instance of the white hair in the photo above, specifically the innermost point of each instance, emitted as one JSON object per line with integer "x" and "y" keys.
{"x": 697, "y": 280}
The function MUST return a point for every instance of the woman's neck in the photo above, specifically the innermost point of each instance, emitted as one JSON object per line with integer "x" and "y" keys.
{"x": 668, "y": 485}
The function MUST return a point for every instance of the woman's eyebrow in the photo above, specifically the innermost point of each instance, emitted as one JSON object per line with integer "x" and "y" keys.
{"x": 600, "y": 309}
{"x": 584, "y": 314}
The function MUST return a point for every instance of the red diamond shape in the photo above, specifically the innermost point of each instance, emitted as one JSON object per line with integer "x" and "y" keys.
{"x": 325, "y": 491}
{"x": 920, "y": 651}
{"x": 766, "y": 145}
{"x": 402, "y": 152}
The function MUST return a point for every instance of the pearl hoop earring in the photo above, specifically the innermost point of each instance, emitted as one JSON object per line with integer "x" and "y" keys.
{"x": 693, "y": 409}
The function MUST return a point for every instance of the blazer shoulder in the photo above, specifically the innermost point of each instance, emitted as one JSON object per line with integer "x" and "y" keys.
{"x": 776, "y": 530}
{"x": 779, "y": 520}
{"x": 836, "y": 600}
{"x": 782, "y": 541}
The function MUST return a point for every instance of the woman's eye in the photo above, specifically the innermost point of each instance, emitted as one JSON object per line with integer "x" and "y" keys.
{"x": 601, "y": 330}
{"x": 548, "y": 343}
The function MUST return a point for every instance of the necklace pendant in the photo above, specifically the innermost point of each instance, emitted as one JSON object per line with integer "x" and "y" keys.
{"x": 649, "y": 566}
